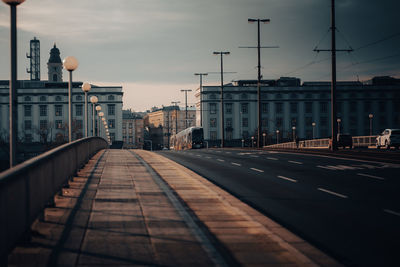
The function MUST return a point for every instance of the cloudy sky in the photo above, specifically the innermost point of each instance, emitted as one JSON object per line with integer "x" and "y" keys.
{"x": 153, "y": 47}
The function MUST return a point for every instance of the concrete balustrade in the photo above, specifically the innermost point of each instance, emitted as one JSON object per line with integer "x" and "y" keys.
{"x": 26, "y": 188}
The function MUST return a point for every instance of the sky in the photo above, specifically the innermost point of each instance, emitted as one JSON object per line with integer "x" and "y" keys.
{"x": 153, "y": 47}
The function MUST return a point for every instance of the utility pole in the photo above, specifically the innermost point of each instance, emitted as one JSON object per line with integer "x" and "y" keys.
{"x": 222, "y": 95}
{"x": 333, "y": 51}
{"x": 175, "y": 103}
{"x": 168, "y": 132}
{"x": 259, "y": 76}
{"x": 201, "y": 96}
{"x": 186, "y": 106}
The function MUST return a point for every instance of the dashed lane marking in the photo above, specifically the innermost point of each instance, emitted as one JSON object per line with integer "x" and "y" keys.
{"x": 287, "y": 178}
{"x": 295, "y": 162}
{"x": 221, "y": 160}
{"x": 253, "y": 156}
{"x": 332, "y": 193}
{"x": 236, "y": 164}
{"x": 257, "y": 170}
{"x": 371, "y": 176}
{"x": 208, "y": 157}
{"x": 272, "y": 158}
{"x": 392, "y": 212}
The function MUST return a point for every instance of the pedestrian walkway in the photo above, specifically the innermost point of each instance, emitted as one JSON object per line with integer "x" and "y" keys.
{"x": 138, "y": 208}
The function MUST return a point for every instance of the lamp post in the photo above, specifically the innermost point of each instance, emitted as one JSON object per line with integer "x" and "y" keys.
{"x": 242, "y": 143}
{"x": 70, "y": 64}
{"x": 313, "y": 130}
{"x": 93, "y": 100}
{"x": 370, "y": 116}
{"x": 201, "y": 95}
{"x": 86, "y": 88}
{"x": 13, "y": 80}
{"x": 338, "y": 125}
{"x": 264, "y": 135}
{"x": 175, "y": 103}
{"x": 222, "y": 95}
{"x": 101, "y": 114}
{"x": 186, "y": 106}
{"x": 104, "y": 120}
{"x": 277, "y": 136}
{"x": 252, "y": 141}
{"x": 294, "y": 132}
{"x": 98, "y": 108}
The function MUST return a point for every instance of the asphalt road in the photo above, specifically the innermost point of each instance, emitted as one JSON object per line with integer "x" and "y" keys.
{"x": 348, "y": 208}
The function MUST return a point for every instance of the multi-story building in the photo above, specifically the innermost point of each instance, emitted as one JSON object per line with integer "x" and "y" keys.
{"x": 298, "y": 109}
{"x": 164, "y": 122}
{"x": 43, "y": 107}
{"x": 132, "y": 129}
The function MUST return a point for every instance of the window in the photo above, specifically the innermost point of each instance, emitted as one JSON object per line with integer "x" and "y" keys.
{"x": 323, "y": 107}
{"x": 59, "y": 124}
{"x": 279, "y": 122}
{"x": 112, "y": 136}
{"x": 228, "y": 108}
{"x": 42, "y": 98}
{"x": 111, "y": 109}
{"x": 79, "y": 124}
{"x": 123, "y": 125}
{"x": 323, "y": 121}
{"x": 245, "y": 122}
{"x": 279, "y": 96}
{"x": 213, "y": 122}
{"x": 43, "y": 124}
{"x": 111, "y": 98}
{"x": 78, "y": 98}
{"x": 43, "y": 110}
{"x": 213, "y": 108}
{"x": 264, "y": 123}
{"x": 228, "y": 122}
{"x": 293, "y": 96}
{"x": 28, "y": 110}
{"x": 228, "y": 96}
{"x": 55, "y": 77}
{"x": 309, "y": 107}
{"x": 264, "y": 108}
{"x": 111, "y": 124}
{"x": 28, "y": 125}
{"x": 213, "y": 135}
{"x": 293, "y": 107}
{"x": 58, "y": 110}
{"x": 243, "y": 96}
{"x": 213, "y": 97}
{"x": 245, "y": 108}
{"x": 353, "y": 106}
{"x": 28, "y": 98}
{"x": 293, "y": 121}
{"x": 278, "y": 108}
{"x": 78, "y": 110}
{"x": 130, "y": 125}
{"x": 28, "y": 138}
{"x": 58, "y": 98}
{"x": 367, "y": 106}
{"x": 309, "y": 121}
{"x": 339, "y": 107}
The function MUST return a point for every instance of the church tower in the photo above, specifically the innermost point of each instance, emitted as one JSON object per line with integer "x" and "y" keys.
{"x": 55, "y": 65}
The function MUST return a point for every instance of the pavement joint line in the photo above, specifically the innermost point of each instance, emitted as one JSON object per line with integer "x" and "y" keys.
{"x": 272, "y": 158}
{"x": 257, "y": 170}
{"x": 392, "y": 212}
{"x": 332, "y": 193}
{"x": 207, "y": 244}
{"x": 287, "y": 178}
{"x": 236, "y": 164}
{"x": 371, "y": 176}
{"x": 295, "y": 162}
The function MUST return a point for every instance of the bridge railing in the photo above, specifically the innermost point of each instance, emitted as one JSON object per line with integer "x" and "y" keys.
{"x": 358, "y": 141}
{"x": 26, "y": 188}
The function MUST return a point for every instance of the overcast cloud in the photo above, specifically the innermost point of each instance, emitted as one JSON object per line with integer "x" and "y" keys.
{"x": 153, "y": 47}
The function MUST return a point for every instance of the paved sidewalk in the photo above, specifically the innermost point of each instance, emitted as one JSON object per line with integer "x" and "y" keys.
{"x": 138, "y": 208}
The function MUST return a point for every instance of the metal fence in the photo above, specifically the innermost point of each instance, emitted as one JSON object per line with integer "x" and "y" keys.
{"x": 26, "y": 188}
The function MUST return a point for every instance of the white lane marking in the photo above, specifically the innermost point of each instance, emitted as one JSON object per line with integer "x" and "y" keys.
{"x": 371, "y": 176}
{"x": 272, "y": 152}
{"x": 198, "y": 155}
{"x": 332, "y": 193}
{"x": 257, "y": 170}
{"x": 236, "y": 164}
{"x": 218, "y": 151}
{"x": 287, "y": 178}
{"x": 253, "y": 156}
{"x": 392, "y": 212}
{"x": 295, "y": 162}
{"x": 228, "y": 152}
{"x": 221, "y": 160}
{"x": 272, "y": 158}
{"x": 208, "y": 157}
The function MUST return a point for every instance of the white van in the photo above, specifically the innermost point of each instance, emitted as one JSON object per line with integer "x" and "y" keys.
{"x": 388, "y": 138}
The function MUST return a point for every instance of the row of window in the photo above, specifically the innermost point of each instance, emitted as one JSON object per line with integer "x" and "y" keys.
{"x": 60, "y": 98}
{"x": 58, "y": 110}
{"x": 58, "y": 124}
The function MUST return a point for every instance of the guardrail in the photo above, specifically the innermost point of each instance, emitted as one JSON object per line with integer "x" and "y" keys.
{"x": 358, "y": 141}
{"x": 26, "y": 188}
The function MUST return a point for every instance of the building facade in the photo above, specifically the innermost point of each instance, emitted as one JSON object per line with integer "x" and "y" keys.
{"x": 301, "y": 110}
{"x": 132, "y": 129}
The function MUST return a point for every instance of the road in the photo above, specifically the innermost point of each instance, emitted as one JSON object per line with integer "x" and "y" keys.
{"x": 348, "y": 208}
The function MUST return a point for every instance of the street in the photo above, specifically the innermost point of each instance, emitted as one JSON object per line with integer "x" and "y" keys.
{"x": 346, "y": 207}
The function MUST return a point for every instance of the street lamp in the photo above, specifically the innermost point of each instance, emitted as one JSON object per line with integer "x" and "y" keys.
{"x": 93, "y": 100}
{"x": 313, "y": 130}
{"x": 222, "y": 95}
{"x": 13, "y": 80}
{"x": 338, "y": 125}
{"x": 370, "y": 123}
{"x": 101, "y": 114}
{"x": 264, "y": 135}
{"x": 70, "y": 64}
{"x": 186, "y": 106}
{"x": 252, "y": 141}
{"x": 98, "y": 108}
{"x": 294, "y": 132}
{"x": 86, "y": 88}
{"x": 201, "y": 96}
{"x": 277, "y": 136}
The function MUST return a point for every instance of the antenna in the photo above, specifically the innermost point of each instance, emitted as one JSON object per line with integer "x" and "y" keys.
{"x": 34, "y": 57}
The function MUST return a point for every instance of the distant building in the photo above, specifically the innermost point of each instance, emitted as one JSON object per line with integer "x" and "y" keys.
{"x": 43, "y": 107}
{"x": 132, "y": 129}
{"x": 287, "y": 104}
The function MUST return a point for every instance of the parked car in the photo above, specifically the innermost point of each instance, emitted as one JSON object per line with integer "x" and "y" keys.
{"x": 344, "y": 140}
{"x": 388, "y": 138}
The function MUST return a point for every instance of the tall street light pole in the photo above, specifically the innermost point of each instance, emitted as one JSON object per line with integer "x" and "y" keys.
{"x": 70, "y": 64}
{"x": 201, "y": 96}
{"x": 86, "y": 88}
{"x": 186, "y": 106}
{"x": 93, "y": 100}
{"x": 13, "y": 80}
{"x": 98, "y": 109}
{"x": 370, "y": 116}
{"x": 222, "y": 95}
{"x": 175, "y": 103}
